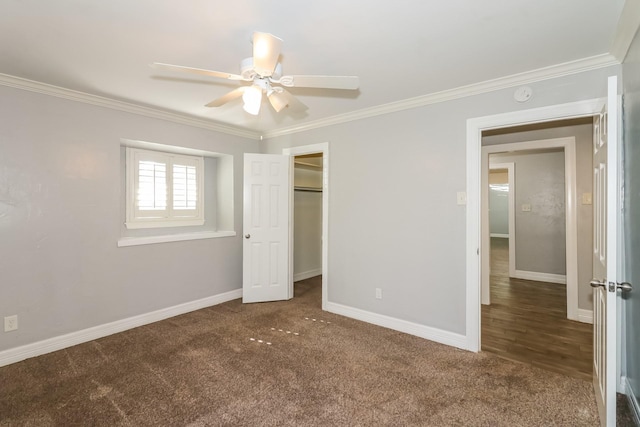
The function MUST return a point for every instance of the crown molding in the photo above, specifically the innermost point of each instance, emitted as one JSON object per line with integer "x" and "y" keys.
{"x": 555, "y": 71}
{"x": 73, "y": 95}
{"x": 626, "y": 30}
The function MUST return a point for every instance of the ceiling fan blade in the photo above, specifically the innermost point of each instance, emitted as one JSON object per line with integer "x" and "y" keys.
{"x": 324, "y": 82}
{"x": 295, "y": 104}
{"x": 236, "y": 93}
{"x": 281, "y": 98}
{"x": 266, "y": 51}
{"x": 200, "y": 71}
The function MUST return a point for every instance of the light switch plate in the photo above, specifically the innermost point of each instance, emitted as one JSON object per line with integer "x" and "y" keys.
{"x": 526, "y": 207}
{"x": 586, "y": 199}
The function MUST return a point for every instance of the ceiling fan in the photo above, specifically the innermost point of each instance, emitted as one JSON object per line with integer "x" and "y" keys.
{"x": 265, "y": 74}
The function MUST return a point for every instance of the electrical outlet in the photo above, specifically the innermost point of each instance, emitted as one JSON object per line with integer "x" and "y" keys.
{"x": 378, "y": 293}
{"x": 461, "y": 198}
{"x": 11, "y": 323}
{"x": 526, "y": 207}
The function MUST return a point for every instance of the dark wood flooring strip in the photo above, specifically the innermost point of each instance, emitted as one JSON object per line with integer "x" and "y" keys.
{"x": 527, "y": 322}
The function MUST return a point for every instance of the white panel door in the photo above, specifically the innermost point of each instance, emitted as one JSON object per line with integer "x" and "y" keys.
{"x": 266, "y": 228}
{"x": 605, "y": 184}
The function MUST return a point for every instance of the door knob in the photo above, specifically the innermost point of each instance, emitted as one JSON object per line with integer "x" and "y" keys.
{"x": 624, "y": 286}
{"x": 246, "y": 236}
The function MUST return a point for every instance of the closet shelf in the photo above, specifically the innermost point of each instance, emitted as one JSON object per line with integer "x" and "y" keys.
{"x": 309, "y": 165}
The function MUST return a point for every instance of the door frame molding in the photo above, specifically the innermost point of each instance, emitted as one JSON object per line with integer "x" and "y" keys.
{"x": 475, "y": 127}
{"x": 568, "y": 144}
{"x": 323, "y": 148}
{"x": 511, "y": 206}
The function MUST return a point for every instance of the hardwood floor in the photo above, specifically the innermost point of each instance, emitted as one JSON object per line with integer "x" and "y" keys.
{"x": 527, "y": 322}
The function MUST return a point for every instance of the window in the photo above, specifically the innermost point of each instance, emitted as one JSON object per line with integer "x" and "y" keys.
{"x": 163, "y": 189}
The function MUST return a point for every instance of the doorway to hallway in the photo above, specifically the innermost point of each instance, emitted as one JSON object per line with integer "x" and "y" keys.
{"x": 538, "y": 268}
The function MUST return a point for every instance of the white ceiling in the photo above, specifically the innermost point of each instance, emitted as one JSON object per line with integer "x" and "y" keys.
{"x": 400, "y": 49}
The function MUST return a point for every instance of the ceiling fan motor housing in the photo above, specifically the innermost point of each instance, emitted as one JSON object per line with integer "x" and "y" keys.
{"x": 248, "y": 72}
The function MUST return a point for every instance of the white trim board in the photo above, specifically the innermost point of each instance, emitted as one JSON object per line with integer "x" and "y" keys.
{"x": 426, "y": 332}
{"x": 585, "y": 316}
{"x": 101, "y": 101}
{"x": 475, "y": 126}
{"x": 39, "y": 348}
{"x": 307, "y": 274}
{"x": 626, "y": 29}
{"x": 546, "y": 73}
{"x": 537, "y": 276}
{"x": 632, "y": 399}
{"x": 167, "y": 238}
{"x": 322, "y": 147}
{"x": 528, "y": 77}
{"x": 511, "y": 174}
{"x": 499, "y": 235}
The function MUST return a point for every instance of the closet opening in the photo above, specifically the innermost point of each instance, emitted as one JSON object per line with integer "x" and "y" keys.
{"x": 308, "y": 225}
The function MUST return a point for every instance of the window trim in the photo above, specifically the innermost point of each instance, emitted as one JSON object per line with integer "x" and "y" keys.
{"x": 170, "y": 219}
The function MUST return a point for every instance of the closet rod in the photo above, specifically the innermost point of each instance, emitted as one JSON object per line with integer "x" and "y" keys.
{"x": 309, "y": 189}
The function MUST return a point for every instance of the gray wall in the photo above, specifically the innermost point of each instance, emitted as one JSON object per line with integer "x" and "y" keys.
{"x": 584, "y": 184}
{"x": 393, "y": 219}
{"x": 631, "y": 273}
{"x": 540, "y": 233}
{"x": 60, "y": 219}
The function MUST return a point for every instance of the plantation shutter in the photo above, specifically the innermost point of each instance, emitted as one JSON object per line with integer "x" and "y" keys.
{"x": 165, "y": 189}
{"x": 185, "y": 187}
{"x": 152, "y": 186}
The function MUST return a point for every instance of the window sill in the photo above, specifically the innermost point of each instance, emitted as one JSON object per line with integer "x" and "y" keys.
{"x": 150, "y": 240}
{"x": 133, "y": 225}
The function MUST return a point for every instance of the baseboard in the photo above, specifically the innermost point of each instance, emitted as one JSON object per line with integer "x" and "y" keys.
{"x": 17, "y": 354}
{"x": 632, "y": 401}
{"x": 540, "y": 277}
{"x": 502, "y": 236}
{"x": 585, "y": 316}
{"x": 307, "y": 274}
{"x": 426, "y": 332}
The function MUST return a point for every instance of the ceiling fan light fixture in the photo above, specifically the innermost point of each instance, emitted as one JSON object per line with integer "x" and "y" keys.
{"x": 278, "y": 100}
{"x": 252, "y": 98}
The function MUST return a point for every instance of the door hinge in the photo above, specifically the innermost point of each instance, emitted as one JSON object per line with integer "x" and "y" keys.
{"x": 612, "y": 286}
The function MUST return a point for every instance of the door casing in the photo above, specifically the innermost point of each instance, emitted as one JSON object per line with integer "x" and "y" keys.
{"x": 510, "y": 167}
{"x": 323, "y": 148}
{"x": 475, "y": 127}
{"x": 571, "y": 216}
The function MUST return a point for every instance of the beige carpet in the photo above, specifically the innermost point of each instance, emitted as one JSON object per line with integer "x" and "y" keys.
{"x": 312, "y": 368}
